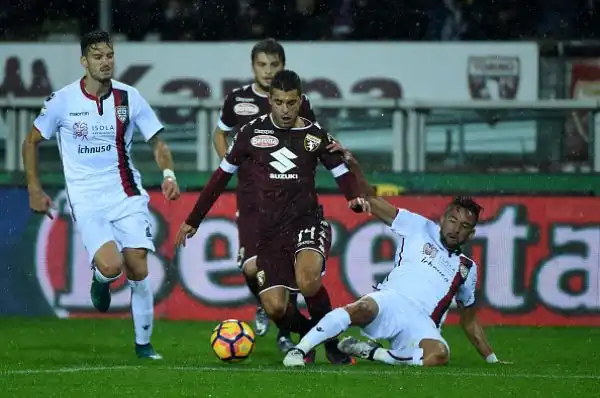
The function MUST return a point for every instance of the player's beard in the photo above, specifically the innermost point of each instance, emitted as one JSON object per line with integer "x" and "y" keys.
{"x": 101, "y": 78}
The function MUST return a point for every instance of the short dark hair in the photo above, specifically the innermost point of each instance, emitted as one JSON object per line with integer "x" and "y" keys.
{"x": 286, "y": 80}
{"x": 268, "y": 46}
{"x": 92, "y": 38}
{"x": 467, "y": 202}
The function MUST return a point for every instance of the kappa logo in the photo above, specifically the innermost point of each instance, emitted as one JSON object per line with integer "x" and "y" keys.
{"x": 264, "y": 141}
{"x": 245, "y": 109}
{"x": 259, "y": 131}
{"x": 244, "y": 99}
{"x": 261, "y": 278}
{"x": 311, "y": 143}
{"x": 122, "y": 113}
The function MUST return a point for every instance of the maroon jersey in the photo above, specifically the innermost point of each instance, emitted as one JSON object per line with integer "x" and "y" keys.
{"x": 284, "y": 166}
{"x": 240, "y": 107}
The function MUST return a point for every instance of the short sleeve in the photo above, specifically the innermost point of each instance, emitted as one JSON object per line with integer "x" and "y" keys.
{"x": 237, "y": 152}
{"x": 49, "y": 120}
{"x": 333, "y": 161}
{"x": 227, "y": 117}
{"x": 466, "y": 291}
{"x": 306, "y": 110}
{"x": 145, "y": 118}
{"x": 407, "y": 222}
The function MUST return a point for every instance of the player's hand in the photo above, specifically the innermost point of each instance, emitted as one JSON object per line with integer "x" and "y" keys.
{"x": 40, "y": 203}
{"x": 360, "y": 205}
{"x": 185, "y": 232}
{"x": 170, "y": 188}
{"x": 337, "y": 147}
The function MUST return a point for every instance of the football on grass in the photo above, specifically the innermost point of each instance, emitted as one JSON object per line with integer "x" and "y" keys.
{"x": 232, "y": 340}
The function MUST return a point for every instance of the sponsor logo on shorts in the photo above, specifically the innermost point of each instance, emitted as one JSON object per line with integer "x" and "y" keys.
{"x": 264, "y": 141}
{"x": 245, "y": 109}
{"x": 261, "y": 278}
{"x": 240, "y": 257}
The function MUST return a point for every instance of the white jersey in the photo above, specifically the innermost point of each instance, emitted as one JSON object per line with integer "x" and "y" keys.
{"x": 425, "y": 272}
{"x": 94, "y": 138}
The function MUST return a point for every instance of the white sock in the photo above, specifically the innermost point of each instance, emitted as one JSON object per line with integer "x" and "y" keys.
{"x": 332, "y": 324}
{"x": 142, "y": 310}
{"x": 395, "y": 357}
{"x": 104, "y": 279}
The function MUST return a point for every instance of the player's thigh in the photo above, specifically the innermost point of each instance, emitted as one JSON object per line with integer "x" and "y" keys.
{"x": 363, "y": 311}
{"x": 274, "y": 301}
{"x": 419, "y": 331}
{"x": 312, "y": 244}
{"x": 136, "y": 263}
{"x": 132, "y": 225}
{"x": 99, "y": 241}
{"x": 390, "y": 318}
{"x": 248, "y": 242}
{"x": 275, "y": 274}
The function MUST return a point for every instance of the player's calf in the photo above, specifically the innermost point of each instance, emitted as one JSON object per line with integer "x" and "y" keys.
{"x": 108, "y": 266}
{"x": 285, "y": 315}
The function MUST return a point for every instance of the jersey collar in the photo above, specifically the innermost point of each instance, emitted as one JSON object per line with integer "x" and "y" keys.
{"x": 93, "y": 97}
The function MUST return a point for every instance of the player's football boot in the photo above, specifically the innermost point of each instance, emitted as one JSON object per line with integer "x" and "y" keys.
{"x": 294, "y": 358}
{"x": 337, "y": 357}
{"x": 310, "y": 357}
{"x": 100, "y": 294}
{"x": 356, "y": 348}
{"x": 285, "y": 343}
{"x": 146, "y": 351}
{"x": 261, "y": 322}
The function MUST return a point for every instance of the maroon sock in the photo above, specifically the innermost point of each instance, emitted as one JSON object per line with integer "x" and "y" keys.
{"x": 294, "y": 321}
{"x": 252, "y": 284}
{"x": 319, "y": 304}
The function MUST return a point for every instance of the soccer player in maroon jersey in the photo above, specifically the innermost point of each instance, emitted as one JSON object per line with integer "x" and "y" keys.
{"x": 293, "y": 236}
{"x": 240, "y": 107}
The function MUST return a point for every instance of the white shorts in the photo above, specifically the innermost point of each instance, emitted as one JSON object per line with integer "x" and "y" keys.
{"x": 127, "y": 223}
{"x": 400, "y": 323}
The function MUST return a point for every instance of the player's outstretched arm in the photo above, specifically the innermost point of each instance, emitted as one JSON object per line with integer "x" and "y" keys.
{"x": 475, "y": 333}
{"x": 38, "y": 200}
{"x": 164, "y": 160}
{"x": 220, "y": 142}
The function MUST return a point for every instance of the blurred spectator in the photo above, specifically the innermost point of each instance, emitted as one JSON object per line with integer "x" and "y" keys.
{"x": 181, "y": 20}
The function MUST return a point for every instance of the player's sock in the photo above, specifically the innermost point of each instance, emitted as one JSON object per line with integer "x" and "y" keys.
{"x": 294, "y": 303}
{"x": 252, "y": 284}
{"x": 329, "y": 327}
{"x": 318, "y": 305}
{"x": 99, "y": 277}
{"x": 394, "y": 357}
{"x": 294, "y": 320}
{"x": 142, "y": 310}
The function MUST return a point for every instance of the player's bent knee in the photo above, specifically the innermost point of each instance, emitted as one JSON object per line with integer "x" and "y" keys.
{"x": 274, "y": 303}
{"x": 435, "y": 352}
{"x": 136, "y": 263}
{"x": 309, "y": 265}
{"x": 108, "y": 260}
{"x": 363, "y": 311}
{"x": 250, "y": 269}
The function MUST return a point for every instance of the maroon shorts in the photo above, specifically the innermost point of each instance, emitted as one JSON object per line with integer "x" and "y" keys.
{"x": 277, "y": 256}
{"x": 247, "y": 237}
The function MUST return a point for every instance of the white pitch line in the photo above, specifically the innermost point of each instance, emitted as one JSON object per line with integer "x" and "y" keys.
{"x": 240, "y": 369}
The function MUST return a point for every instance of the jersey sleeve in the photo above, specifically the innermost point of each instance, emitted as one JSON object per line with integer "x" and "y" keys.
{"x": 306, "y": 110}
{"x": 144, "y": 117}
{"x": 238, "y": 151}
{"x": 334, "y": 162}
{"x": 406, "y": 222}
{"x": 466, "y": 291}
{"x": 227, "y": 117}
{"x": 49, "y": 119}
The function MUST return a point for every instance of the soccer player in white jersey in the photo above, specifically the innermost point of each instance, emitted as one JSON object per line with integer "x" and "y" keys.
{"x": 408, "y": 307}
{"x": 93, "y": 120}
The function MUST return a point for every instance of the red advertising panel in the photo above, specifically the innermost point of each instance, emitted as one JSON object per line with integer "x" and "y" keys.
{"x": 538, "y": 258}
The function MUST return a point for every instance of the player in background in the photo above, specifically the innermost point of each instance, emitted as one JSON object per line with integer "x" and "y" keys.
{"x": 240, "y": 107}
{"x": 294, "y": 237}
{"x": 93, "y": 120}
{"x": 408, "y": 307}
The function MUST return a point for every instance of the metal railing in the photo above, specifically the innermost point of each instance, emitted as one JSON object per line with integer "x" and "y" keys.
{"x": 404, "y": 134}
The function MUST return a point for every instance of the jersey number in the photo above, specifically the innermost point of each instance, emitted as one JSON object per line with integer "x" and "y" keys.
{"x": 306, "y": 234}
{"x": 283, "y": 160}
